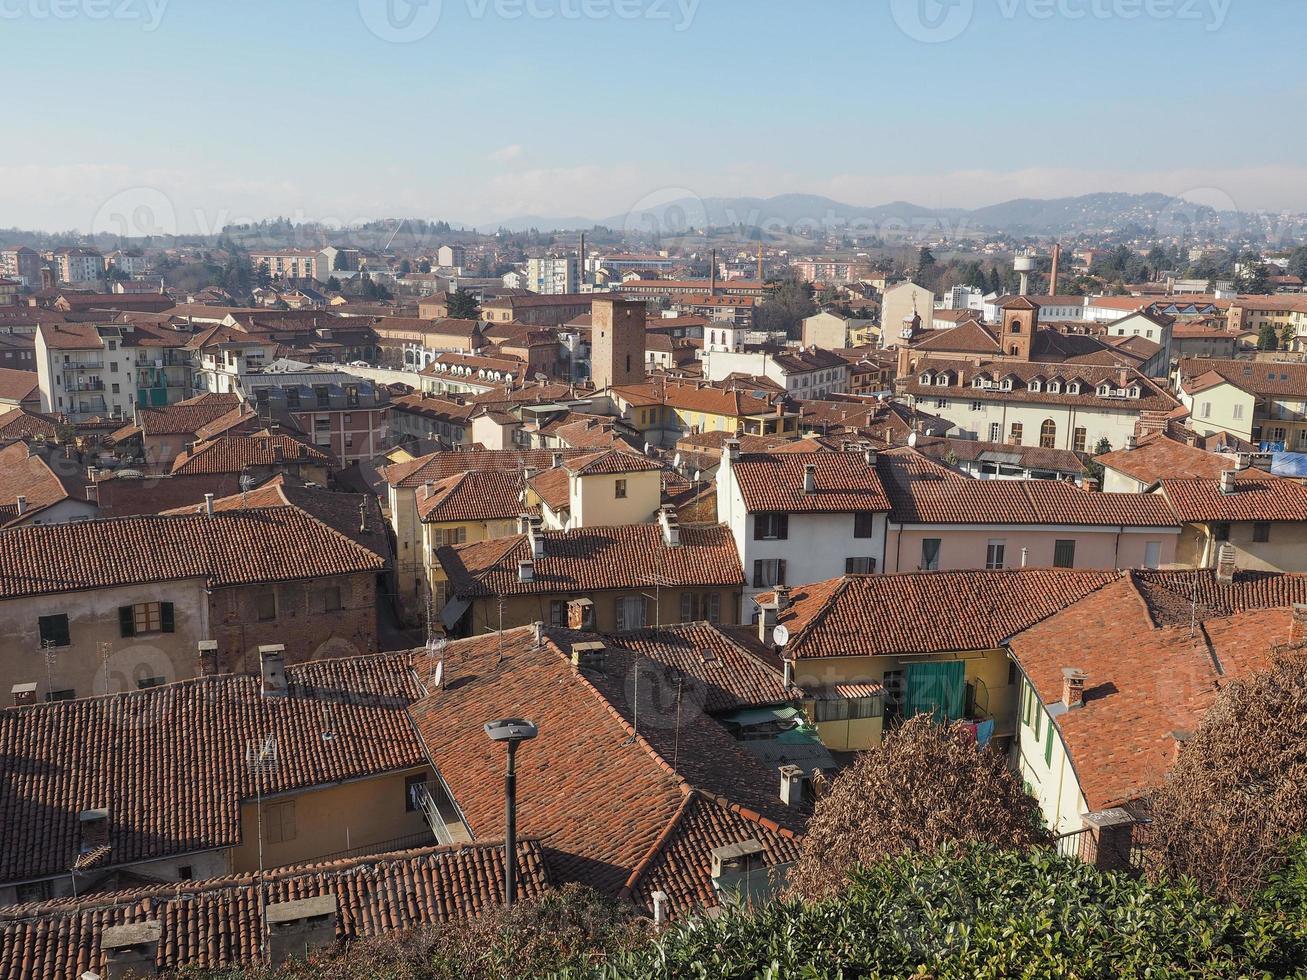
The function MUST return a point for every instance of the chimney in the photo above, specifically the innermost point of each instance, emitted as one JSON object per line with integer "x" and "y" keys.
{"x": 426, "y": 489}
{"x": 1091, "y": 484}
{"x": 870, "y": 454}
{"x": 671, "y": 527}
{"x": 1225, "y": 563}
{"x": 1025, "y": 556}
{"x": 782, "y": 593}
{"x": 1179, "y": 737}
{"x": 787, "y": 674}
{"x": 22, "y": 694}
{"x": 22, "y": 505}
{"x": 660, "y": 908}
{"x": 1073, "y": 687}
{"x": 732, "y": 450}
{"x": 591, "y": 655}
{"x": 208, "y": 504}
{"x": 529, "y": 472}
{"x": 809, "y": 478}
{"x": 1227, "y": 481}
{"x": 523, "y": 523}
{"x": 581, "y": 614}
{"x": 131, "y": 950}
{"x": 1052, "y": 274}
{"x": 206, "y": 662}
{"x": 766, "y": 621}
{"x": 792, "y": 780}
{"x": 93, "y": 826}
{"x": 1131, "y": 442}
{"x": 299, "y": 928}
{"x": 535, "y": 532}
{"x": 557, "y": 460}
{"x": 272, "y": 667}
{"x": 526, "y": 571}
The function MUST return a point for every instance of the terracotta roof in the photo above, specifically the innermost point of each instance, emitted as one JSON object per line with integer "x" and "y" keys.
{"x": 927, "y": 612}
{"x": 1257, "y": 496}
{"x": 27, "y": 474}
{"x": 168, "y": 763}
{"x": 1178, "y": 596}
{"x": 968, "y": 338}
{"x": 1257, "y": 377}
{"x": 940, "y": 448}
{"x": 185, "y": 417}
{"x": 477, "y": 495}
{"x": 603, "y": 799}
{"x": 230, "y": 548}
{"x": 715, "y": 673}
{"x": 1152, "y": 397}
{"x": 553, "y": 487}
{"x": 595, "y": 558}
{"x": 20, "y": 423}
{"x": 844, "y": 483}
{"x": 923, "y": 492}
{"x": 1143, "y": 682}
{"x": 609, "y": 462}
{"x": 1161, "y": 456}
{"x": 18, "y": 386}
{"x": 121, "y": 496}
{"x": 233, "y": 453}
{"x": 218, "y": 923}
{"x": 439, "y": 466}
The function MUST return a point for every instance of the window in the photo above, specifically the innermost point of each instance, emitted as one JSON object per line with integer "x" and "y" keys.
{"x": 145, "y": 683}
{"x": 930, "y": 554}
{"x": 771, "y": 527}
{"x": 1064, "y": 554}
{"x": 768, "y": 572}
{"x": 1206, "y": 411}
{"x": 331, "y": 599}
{"x": 1025, "y": 704}
{"x": 1221, "y": 532}
{"x": 619, "y": 489}
{"x": 1238, "y": 411}
{"x": 994, "y": 552}
{"x": 557, "y": 612}
{"x": 995, "y": 431}
{"x": 146, "y": 617}
{"x": 977, "y": 406}
{"x": 864, "y": 525}
{"x": 1015, "y": 437}
{"x": 414, "y": 788}
{"x": 279, "y": 822}
{"x": 1081, "y": 439}
{"x": 265, "y": 605}
{"x": 1152, "y": 554}
{"x": 941, "y": 403}
{"x": 54, "y": 630}
{"x": 1048, "y": 434}
{"x": 630, "y": 612}
{"x": 701, "y": 606}
{"x": 1261, "y": 532}
{"x": 185, "y": 872}
{"x": 859, "y": 566}
{"x": 448, "y": 536}
{"x": 844, "y": 709}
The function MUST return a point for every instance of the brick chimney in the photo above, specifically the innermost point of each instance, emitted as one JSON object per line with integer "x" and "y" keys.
{"x": 1073, "y": 687}
{"x": 22, "y": 694}
{"x": 1225, "y": 563}
{"x": 131, "y": 950}
{"x": 206, "y": 660}
{"x": 272, "y": 670}
{"x": 581, "y": 614}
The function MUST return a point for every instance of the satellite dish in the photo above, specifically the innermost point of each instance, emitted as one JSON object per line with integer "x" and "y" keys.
{"x": 912, "y": 439}
{"x": 781, "y": 635}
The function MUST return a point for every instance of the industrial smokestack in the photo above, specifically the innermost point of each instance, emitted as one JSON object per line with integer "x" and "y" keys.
{"x": 1052, "y": 274}
{"x": 712, "y": 274}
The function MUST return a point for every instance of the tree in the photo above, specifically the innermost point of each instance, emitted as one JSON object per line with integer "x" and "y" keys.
{"x": 1297, "y": 265}
{"x": 926, "y": 785}
{"x": 405, "y": 267}
{"x": 786, "y": 308}
{"x": 463, "y": 305}
{"x": 926, "y": 267}
{"x": 1254, "y": 278}
{"x": 424, "y": 265}
{"x": 1267, "y": 338}
{"x": 1235, "y": 798}
{"x": 340, "y": 263}
{"x": 333, "y": 285}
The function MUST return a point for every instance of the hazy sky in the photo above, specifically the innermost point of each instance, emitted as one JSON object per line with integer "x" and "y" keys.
{"x": 193, "y": 113}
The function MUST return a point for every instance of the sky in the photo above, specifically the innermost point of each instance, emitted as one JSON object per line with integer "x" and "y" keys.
{"x": 184, "y": 115}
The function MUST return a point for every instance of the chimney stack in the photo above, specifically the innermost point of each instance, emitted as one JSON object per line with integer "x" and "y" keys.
{"x": 809, "y": 478}
{"x": 1227, "y": 481}
{"x": 1131, "y": 442}
{"x": 1225, "y": 563}
{"x": 94, "y": 829}
{"x": 1073, "y": 687}
{"x": 1298, "y": 629}
{"x": 299, "y": 928}
{"x": 526, "y": 571}
{"x": 591, "y": 655}
{"x": 671, "y": 527}
{"x": 782, "y": 593}
{"x": 208, "y": 504}
{"x": 535, "y": 532}
{"x": 206, "y": 661}
{"x": 131, "y": 950}
{"x": 581, "y": 614}
{"x": 732, "y": 450}
{"x": 22, "y": 694}
{"x": 22, "y": 505}
{"x": 1052, "y": 274}
{"x": 272, "y": 667}
{"x": 792, "y": 780}
{"x": 557, "y": 460}
{"x": 660, "y": 908}
{"x": 787, "y": 673}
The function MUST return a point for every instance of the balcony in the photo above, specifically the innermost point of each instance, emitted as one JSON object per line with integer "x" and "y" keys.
{"x": 83, "y": 365}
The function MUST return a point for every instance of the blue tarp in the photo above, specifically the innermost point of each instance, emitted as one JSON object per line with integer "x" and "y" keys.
{"x": 1289, "y": 464}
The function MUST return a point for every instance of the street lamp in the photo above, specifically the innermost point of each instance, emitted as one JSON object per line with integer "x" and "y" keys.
{"x": 511, "y": 731}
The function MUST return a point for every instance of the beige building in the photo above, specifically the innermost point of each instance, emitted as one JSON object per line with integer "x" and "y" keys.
{"x": 900, "y": 303}
{"x": 1248, "y": 519}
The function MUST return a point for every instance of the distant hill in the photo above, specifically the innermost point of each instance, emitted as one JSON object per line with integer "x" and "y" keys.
{"x": 1026, "y": 216}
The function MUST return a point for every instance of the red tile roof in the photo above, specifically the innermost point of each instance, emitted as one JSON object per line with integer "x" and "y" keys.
{"x": 1144, "y": 682}
{"x": 20, "y": 423}
{"x": 18, "y": 386}
{"x": 477, "y": 495}
{"x": 169, "y": 763}
{"x": 440, "y": 466}
{"x": 1257, "y": 496}
{"x": 844, "y": 483}
{"x": 219, "y": 922}
{"x": 923, "y": 492}
{"x": 230, "y": 548}
{"x": 233, "y": 453}
{"x": 1257, "y": 377}
{"x": 1160, "y": 456}
{"x": 1178, "y": 596}
{"x": 609, "y": 462}
{"x": 927, "y": 612}
{"x": 595, "y": 558}
{"x": 27, "y": 474}
{"x": 185, "y": 417}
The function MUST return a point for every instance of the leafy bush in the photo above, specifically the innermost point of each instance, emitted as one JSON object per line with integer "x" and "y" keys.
{"x": 925, "y": 786}
{"x": 980, "y": 912}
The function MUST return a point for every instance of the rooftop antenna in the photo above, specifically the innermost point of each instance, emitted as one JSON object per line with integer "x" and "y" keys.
{"x": 261, "y": 758}
{"x": 106, "y": 651}
{"x": 48, "y": 655}
{"x": 246, "y": 481}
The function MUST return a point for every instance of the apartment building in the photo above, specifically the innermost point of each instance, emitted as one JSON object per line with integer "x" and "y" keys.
{"x": 343, "y": 415}
{"x": 286, "y": 263}
{"x": 553, "y": 275}
{"x": 804, "y": 372}
{"x": 1285, "y": 314}
{"x": 88, "y": 370}
{"x": 77, "y": 265}
{"x": 22, "y": 264}
{"x": 1262, "y": 402}
{"x": 1247, "y": 518}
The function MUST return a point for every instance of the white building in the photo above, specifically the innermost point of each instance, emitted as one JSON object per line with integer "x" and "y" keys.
{"x": 553, "y": 276}
{"x": 809, "y": 372}
{"x": 801, "y": 517}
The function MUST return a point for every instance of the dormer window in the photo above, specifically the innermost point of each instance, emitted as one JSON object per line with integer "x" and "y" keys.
{"x": 1034, "y": 385}
{"x": 1073, "y": 388}
{"x": 1104, "y": 390}
{"x": 1006, "y": 385}
{"x": 1134, "y": 391}
{"x": 927, "y": 377}
{"x": 942, "y": 380}
{"x": 1054, "y": 387}
{"x": 980, "y": 382}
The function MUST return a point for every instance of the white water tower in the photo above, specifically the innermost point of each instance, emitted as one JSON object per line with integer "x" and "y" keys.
{"x": 1023, "y": 265}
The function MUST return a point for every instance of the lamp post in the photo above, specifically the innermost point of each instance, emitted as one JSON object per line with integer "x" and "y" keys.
{"x": 511, "y": 731}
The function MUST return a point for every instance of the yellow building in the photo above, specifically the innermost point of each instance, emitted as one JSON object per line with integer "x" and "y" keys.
{"x": 608, "y": 487}
{"x": 873, "y": 650}
{"x": 665, "y": 410}
{"x": 1259, "y": 401}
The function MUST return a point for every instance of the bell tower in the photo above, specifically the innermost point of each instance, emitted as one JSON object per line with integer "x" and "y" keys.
{"x": 1020, "y": 321}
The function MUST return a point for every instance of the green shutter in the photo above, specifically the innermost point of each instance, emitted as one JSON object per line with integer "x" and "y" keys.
{"x": 126, "y": 621}
{"x": 167, "y": 622}
{"x": 1048, "y": 746}
{"x": 937, "y": 689}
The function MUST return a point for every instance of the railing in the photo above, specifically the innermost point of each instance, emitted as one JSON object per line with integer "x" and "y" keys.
{"x": 412, "y": 841}
{"x": 1118, "y": 847}
{"x": 83, "y": 365}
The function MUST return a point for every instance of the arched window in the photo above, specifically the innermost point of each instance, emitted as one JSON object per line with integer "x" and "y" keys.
{"x": 1048, "y": 434}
